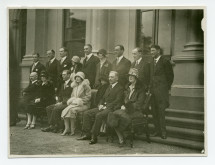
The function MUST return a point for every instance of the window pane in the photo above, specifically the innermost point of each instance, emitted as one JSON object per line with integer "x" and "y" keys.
{"x": 146, "y": 31}
{"x": 75, "y": 30}
{"x": 164, "y": 31}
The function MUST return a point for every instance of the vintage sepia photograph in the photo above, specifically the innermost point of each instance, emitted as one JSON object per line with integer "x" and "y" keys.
{"x": 106, "y": 81}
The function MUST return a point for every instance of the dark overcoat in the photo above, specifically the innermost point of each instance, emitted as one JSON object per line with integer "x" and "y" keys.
{"x": 53, "y": 71}
{"x": 89, "y": 69}
{"x": 122, "y": 68}
{"x": 102, "y": 71}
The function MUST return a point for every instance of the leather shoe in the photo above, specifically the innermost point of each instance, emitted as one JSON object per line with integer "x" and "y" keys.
{"x": 32, "y": 126}
{"x": 48, "y": 129}
{"x": 84, "y": 138}
{"x": 27, "y": 126}
{"x": 163, "y": 136}
{"x": 154, "y": 134}
{"x": 55, "y": 131}
{"x": 93, "y": 141}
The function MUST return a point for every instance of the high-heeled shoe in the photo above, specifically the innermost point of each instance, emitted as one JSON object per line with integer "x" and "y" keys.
{"x": 32, "y": 126}
{"x": 65, "y": 133}
{"x": 72, "y": 134}
{"x": 27, "y": 126}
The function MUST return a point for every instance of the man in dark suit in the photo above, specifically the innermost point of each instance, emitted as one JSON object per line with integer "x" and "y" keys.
{"x": 37, "y": 66}
{"x": 162, "y": 79}
{"x": 111, "y": 101}
{"x": 142, "y": 66}
{"x": 65, "y": 62}
{"x": 54, "y": 111}
{"x": 89, "y": 64}
{"x": 52, "y": 67}
{"x": 103, "y": 68}
{"x": 121, "y": 65}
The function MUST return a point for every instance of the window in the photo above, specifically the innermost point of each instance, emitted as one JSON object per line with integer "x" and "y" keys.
{"x": 75, "y": 31}
{"x": 155, "y": 27}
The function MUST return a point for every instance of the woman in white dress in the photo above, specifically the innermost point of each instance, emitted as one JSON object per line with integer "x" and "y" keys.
{"x": 79, "y": 102}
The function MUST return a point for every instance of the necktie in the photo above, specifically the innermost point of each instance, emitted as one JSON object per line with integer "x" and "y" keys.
{"x": 155, "y": 62}
{"x": 61, "y": 61}
{"x": 50, "y": 63}
{"x": 136, "y": 64}
{"x": 85, "y": 60}
{"x": 117, "y": 62}
{"x": 64, "y": 86}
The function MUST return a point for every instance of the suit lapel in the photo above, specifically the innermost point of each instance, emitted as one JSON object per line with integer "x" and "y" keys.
{"x": 89, "y": 60}
{"x": 121, "y": 61}
{"x": 103, "y": 67}
{"x": 156, "y": 67}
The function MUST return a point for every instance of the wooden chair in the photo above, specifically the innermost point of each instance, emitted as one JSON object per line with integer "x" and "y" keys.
{"x": 141, "y": 124}
{"x": 137, "y": 124}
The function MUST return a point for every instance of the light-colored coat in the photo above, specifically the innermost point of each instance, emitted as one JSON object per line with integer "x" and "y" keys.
{"x": 80, "y": 99}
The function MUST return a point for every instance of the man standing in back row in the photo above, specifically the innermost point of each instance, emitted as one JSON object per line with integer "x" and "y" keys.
{"x": 121, "y": 65}
{"x": 162, "y": 79}
{"x": 52, "y": 68}
{"x": 142, "y": 66}
{"x": 37, "y": 66}
{"x": 89, "y": 64}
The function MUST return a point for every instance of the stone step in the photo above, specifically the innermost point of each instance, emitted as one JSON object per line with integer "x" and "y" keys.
{"x": 183, "y": 122}
{"x": 183, "y": 133}
{"x": 176, "y": 142}
{"x": 185, "y": 114}
{"x": 187, "y": 103}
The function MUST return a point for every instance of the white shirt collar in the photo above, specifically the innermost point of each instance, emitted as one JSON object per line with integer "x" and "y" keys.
{"x": 34, "y": 81}
{"x": 36, "y": 63}
{"x": 138, "y": 61}
{"x": 113, "y": 85}
{"x": 102, "y": 62}
{"x": 66, "y": 82}
{"x": 119, "y": 58}
{"x": 157, "y": 59}
{"x": 62, "y": 59}
{"x": 131, "y": 87}
{"x": 51, "y": 61}
{"x": 88, "y": 56}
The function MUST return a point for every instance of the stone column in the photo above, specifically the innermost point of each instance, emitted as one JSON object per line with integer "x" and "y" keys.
{"x": 194, "y": 46}
{"x": 194, "y": 33}
{"x": 97, "y": 29}
{"x": 189, "y": 63}
{"x": 36, "y": 41}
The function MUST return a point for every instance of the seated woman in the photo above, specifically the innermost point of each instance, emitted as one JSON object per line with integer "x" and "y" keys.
{"x": 133, "y": 104}
{"x": 79, "y": 102}
{"x": 44, "y": 98}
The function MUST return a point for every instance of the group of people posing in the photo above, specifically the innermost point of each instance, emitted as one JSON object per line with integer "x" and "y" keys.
{"x": 65, "y": 90}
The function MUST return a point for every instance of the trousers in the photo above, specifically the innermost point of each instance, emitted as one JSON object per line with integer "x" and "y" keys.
{"x": 92, "y": 121}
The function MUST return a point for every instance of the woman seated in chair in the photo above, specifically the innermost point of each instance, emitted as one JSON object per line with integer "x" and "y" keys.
{"x": 79, "y": 102}
{"x": 133, "y": 104}
{"x": 45, "y": 98}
